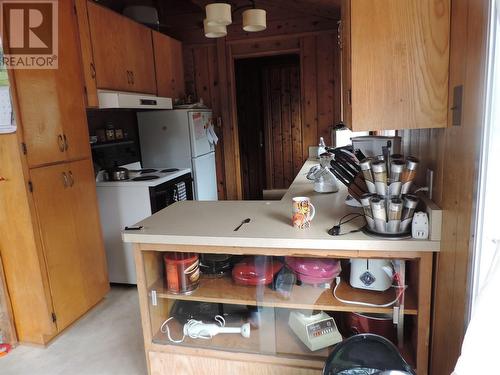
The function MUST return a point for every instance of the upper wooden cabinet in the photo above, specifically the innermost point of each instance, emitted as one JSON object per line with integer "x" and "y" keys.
{"x": 168, "y": 66}
{"x": 121, "y": 51}
{"x": 395, "y": 58}
{"x": 52, "y": 102}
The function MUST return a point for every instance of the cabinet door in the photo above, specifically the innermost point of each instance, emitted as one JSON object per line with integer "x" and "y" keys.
{"x": 399, "y": 63}
{"x": 122, "y": 50}
{"x": 70, "y": 87}
{"x": 51, "y": 107}
{"x": 53, "y": 202}
{"x": 168, "y": 66}
{"x": 88, "y": 230}
{"x": 140, "y": 58}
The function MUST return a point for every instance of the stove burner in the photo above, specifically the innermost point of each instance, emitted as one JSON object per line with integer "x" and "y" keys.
{"x": 169, "y": 170}
{"x": 148, "y": 170}
{"x": 145, "y": 178}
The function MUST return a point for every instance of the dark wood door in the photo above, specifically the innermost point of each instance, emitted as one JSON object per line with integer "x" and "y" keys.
{"x": 250, "y": 128}
{"x": 269, "y": 122}
{"x": 282, "y": 122}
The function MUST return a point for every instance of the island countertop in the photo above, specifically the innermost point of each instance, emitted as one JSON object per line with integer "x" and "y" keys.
{"x": 212, "y": 223}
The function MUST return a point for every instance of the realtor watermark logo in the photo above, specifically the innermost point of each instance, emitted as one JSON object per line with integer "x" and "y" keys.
{"x": 30, "y": 31}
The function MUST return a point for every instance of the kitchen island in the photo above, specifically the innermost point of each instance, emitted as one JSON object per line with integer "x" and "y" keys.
{"x": 208, "y": 227}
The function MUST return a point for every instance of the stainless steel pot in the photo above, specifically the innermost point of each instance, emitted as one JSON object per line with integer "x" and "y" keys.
{"x": 116, "y": 174}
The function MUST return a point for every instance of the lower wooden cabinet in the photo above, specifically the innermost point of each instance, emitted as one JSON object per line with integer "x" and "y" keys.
{"x": 65, "y": 202}
{"x": 165, "y": 363}
{"x": 50, "y": 242}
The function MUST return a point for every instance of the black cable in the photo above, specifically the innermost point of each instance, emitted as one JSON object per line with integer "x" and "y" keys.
{"x": 335, "y": 230}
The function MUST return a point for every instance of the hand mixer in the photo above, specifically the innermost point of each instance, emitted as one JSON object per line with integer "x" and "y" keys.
{"x": 196, "y": 329}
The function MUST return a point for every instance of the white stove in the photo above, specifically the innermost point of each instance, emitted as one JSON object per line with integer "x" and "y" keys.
{"x": 124, "y": 203}
{"x": 138, "y": 176}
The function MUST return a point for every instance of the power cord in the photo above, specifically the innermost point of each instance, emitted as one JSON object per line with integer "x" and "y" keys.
{"x": 335, "y": 230}
{"x": 359, "y": 303}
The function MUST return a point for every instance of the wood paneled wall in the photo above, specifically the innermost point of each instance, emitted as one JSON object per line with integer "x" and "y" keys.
{"x": 209, "y": 73}
{"x": 282, "y": 124}
{"x": 453, "y": 154}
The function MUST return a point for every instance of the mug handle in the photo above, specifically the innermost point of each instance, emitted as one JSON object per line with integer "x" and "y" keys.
{"x": 313, "y": 211}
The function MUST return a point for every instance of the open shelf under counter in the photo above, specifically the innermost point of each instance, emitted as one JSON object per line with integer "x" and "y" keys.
{"x": 224, "y": 290}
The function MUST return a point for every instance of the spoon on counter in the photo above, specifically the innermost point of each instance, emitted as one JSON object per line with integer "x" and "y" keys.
{"x": 246, "y": 221}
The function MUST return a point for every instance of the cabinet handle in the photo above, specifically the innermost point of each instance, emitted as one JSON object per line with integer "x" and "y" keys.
{"x": 65, "y": 179}
{"x": 60, "y": 142}
{"x": 71, "y": 179}
{"x": 92, "y": 70}
{"x": 129, "y": 77}
{"x": 133, "y": 79}
{"x": 66, "y": 145}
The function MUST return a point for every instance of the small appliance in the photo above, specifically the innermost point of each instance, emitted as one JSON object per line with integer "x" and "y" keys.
{"x": 215, "y": 265}
{"x": 196, "y": 329}
{"x": 366, "y": 354}
{"x": 371, "y": 274}
{"x": 315, "y": 271}
{"x": 354, "y": 323}
{"x": 316, "y": 331}
{"x": 258, "y": 270}
{"x": 371, "y": 145}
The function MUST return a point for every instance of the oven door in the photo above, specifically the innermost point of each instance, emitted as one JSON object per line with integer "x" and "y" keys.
{"x": 163, "y": 195}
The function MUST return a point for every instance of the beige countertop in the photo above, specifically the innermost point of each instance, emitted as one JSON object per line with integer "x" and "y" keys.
{"x": 212, "y": 224}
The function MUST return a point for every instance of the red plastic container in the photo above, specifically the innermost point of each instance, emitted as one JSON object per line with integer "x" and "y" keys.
{"x": 182, "y": 271}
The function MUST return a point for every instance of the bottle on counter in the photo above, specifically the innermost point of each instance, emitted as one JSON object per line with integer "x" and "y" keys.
{"x": 410, "y": 203}
{"x": 409, "y": 174}
{"x": 395, "y": 210}
{"x": 321, "y": 146}
{"x": 110, "y": 132}
{"x": 325, "y": 181}
{"x": 380, "y": 176}
{"x": 379, "y": 214}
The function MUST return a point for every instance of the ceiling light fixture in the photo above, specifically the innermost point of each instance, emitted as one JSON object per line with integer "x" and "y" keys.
{"x": 214, "y": 31}
{"x": 219, "y": 16}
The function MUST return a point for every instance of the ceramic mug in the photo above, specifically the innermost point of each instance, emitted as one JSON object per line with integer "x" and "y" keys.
{"x": 302, "y": 213}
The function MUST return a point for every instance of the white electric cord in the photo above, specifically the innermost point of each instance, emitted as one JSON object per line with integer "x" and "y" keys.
{"x": 188, "y": 328}
{"x": 359, "y": 303}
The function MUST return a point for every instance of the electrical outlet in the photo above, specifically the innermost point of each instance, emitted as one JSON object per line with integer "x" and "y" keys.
{"x": 429, "y": 176}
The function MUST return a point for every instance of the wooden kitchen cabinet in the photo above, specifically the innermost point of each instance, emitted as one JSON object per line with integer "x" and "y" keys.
{"x": 395, "y": 57}
{"x": 52, "y": 105}
{"x": 168, "y": 66}
{"x": 122, "y": 51}
{"x": 66, "y": 204}
{"x": 50, "y": 238}
{"x": 51, "y": 243}
{"x": 54, "y": 201}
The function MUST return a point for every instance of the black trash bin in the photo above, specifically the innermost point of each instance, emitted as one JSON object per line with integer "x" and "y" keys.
{"x": 366, "y": 354}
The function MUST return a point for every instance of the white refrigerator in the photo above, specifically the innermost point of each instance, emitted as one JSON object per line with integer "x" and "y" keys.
{"x": 180, "y": 138}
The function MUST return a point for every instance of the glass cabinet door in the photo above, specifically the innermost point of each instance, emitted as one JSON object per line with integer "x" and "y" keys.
{"x": 280, "y": 306}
